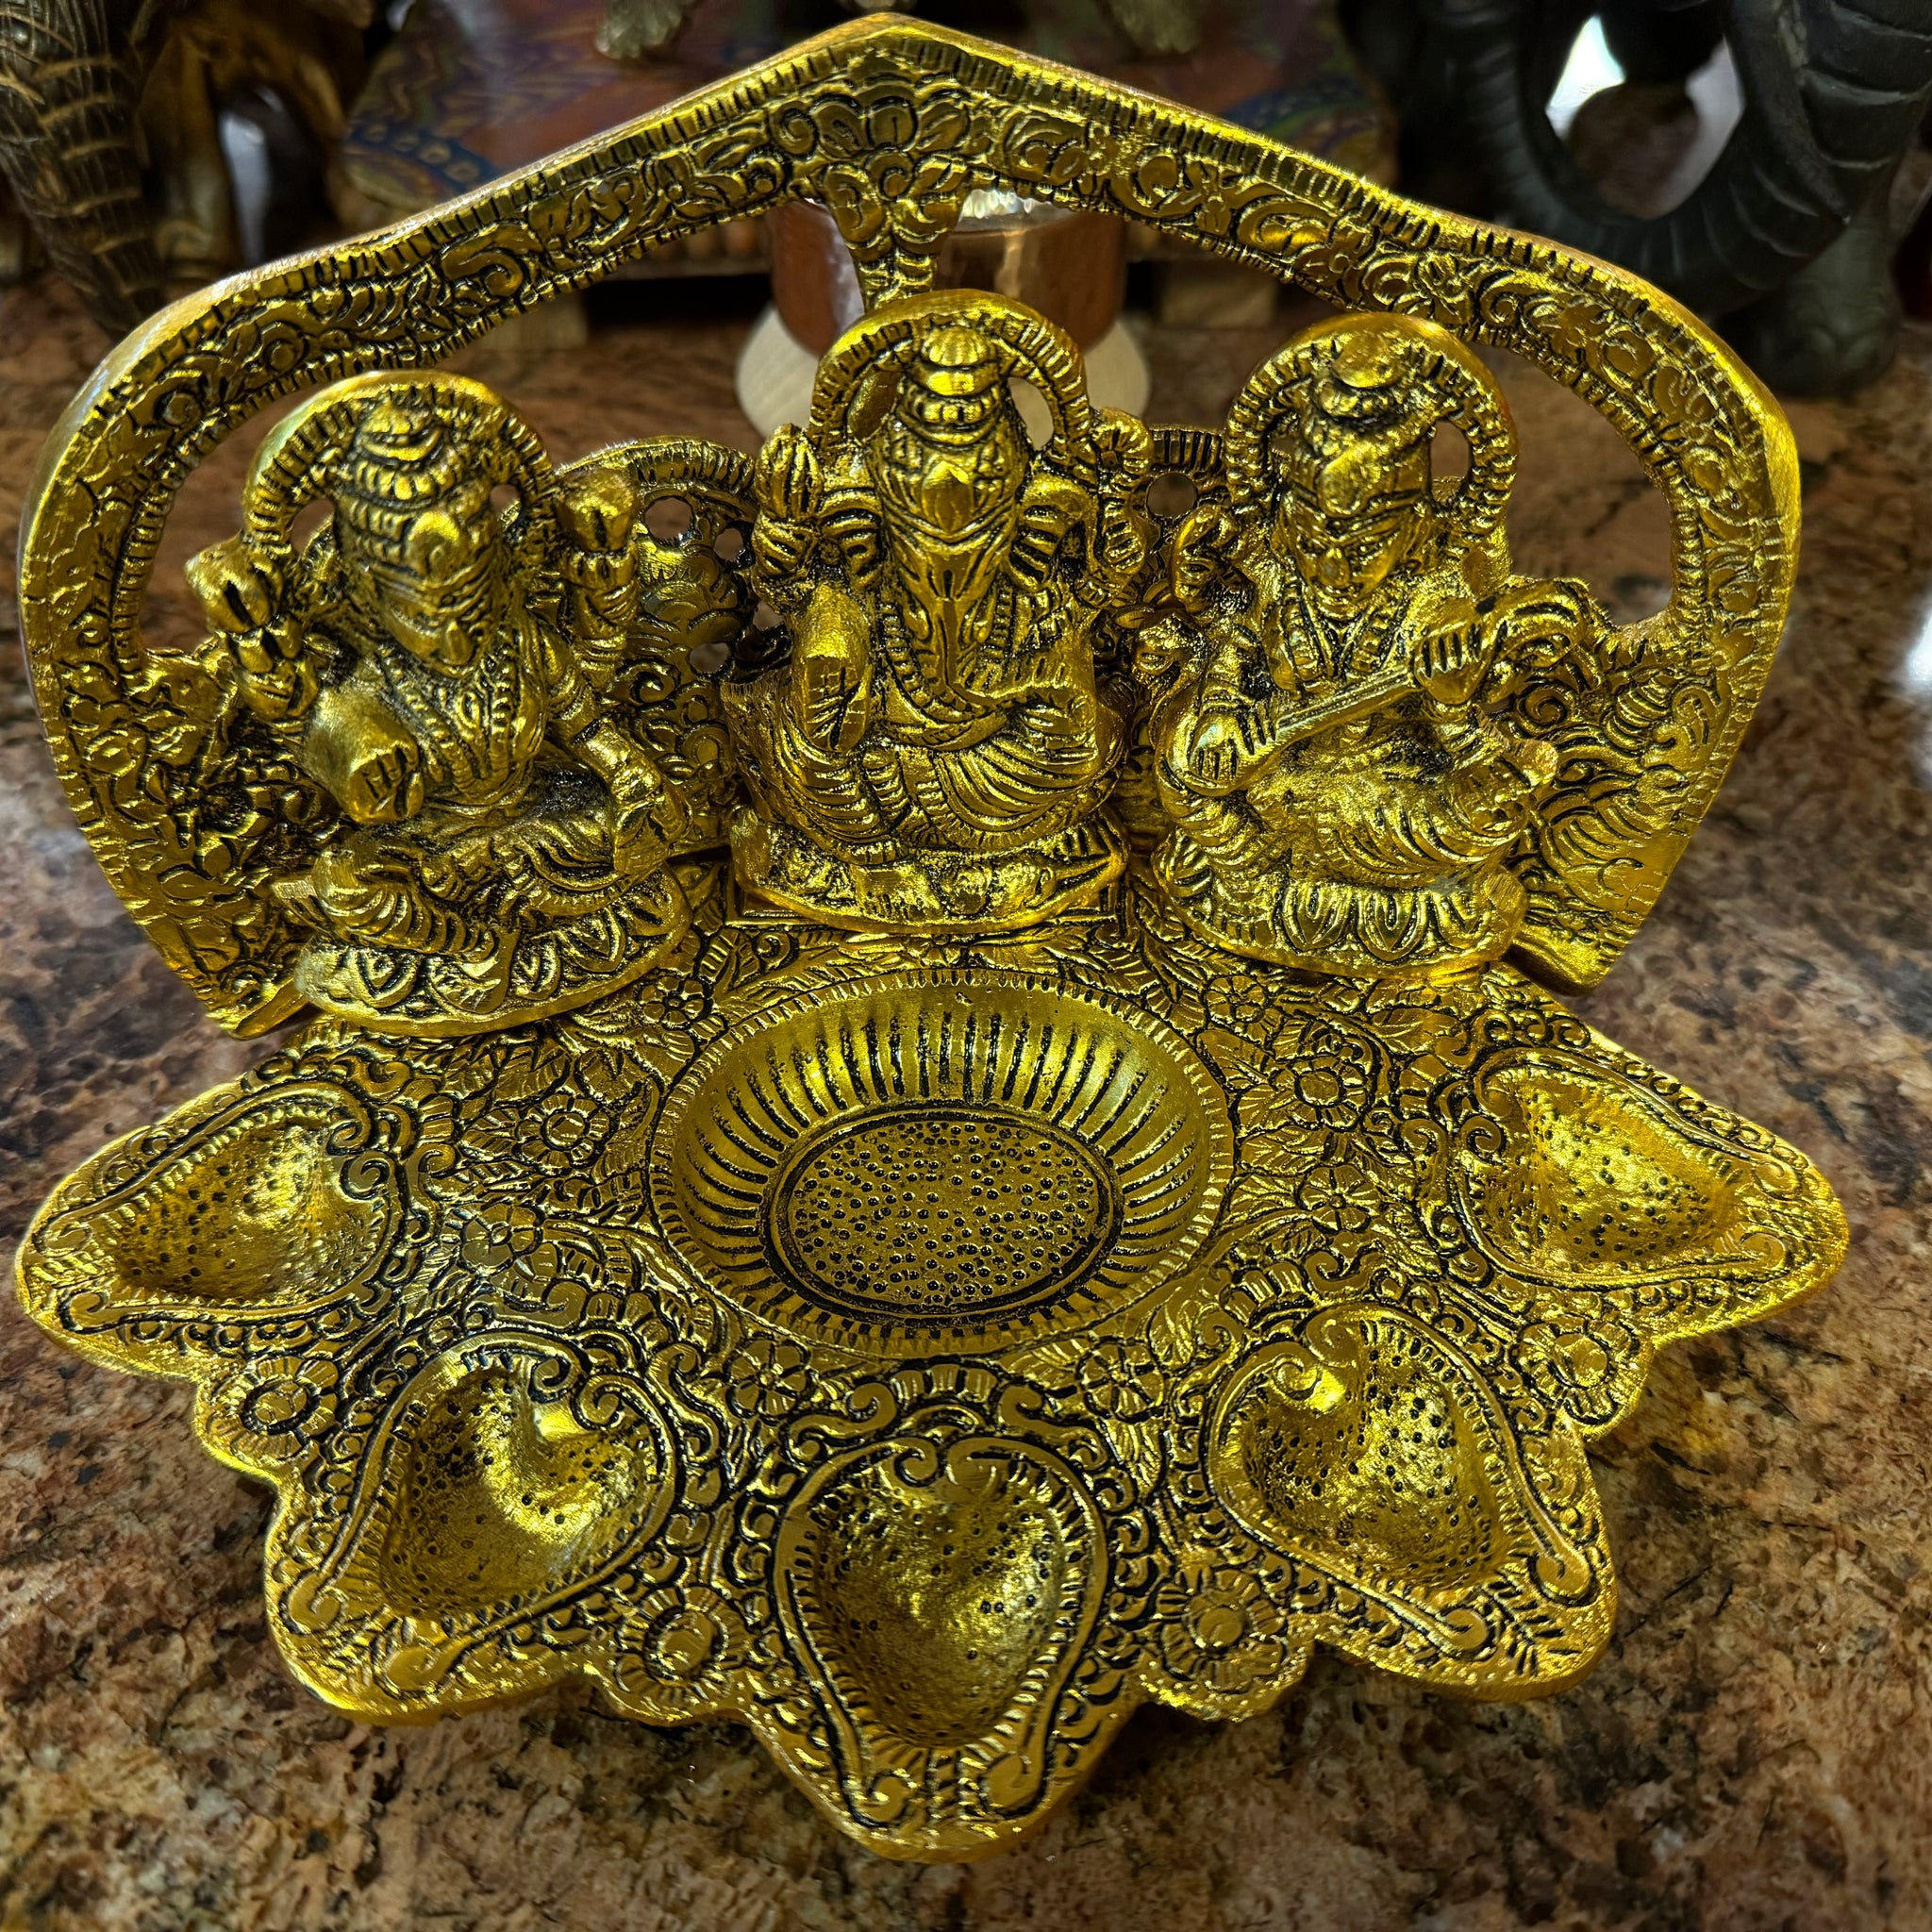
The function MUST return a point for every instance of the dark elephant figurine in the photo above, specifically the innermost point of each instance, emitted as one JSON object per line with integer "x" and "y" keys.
{"x": 1785, "y": 241}
{"x": 109, "y": 130}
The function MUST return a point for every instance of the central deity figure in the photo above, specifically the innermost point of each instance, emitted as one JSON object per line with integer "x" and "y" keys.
{"x": 936, "y": 752}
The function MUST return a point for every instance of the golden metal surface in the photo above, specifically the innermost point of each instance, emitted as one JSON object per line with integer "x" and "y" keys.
{"x": 1084, "y": 1198}
{"x": 936, "y": 752}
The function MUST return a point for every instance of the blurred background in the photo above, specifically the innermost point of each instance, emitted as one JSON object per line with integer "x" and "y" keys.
{"x": 1764, "y": 161}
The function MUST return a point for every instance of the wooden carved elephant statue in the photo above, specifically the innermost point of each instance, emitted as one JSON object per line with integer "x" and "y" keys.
{"x": 110, "y": 143}
{"x": 1786, "y": 241}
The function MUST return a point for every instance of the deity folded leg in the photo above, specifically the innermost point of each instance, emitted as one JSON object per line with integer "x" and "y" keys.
{"x": 1336, "y": 744}
{"x": 936, "y": 752}
{"x": 921, "y": 1347}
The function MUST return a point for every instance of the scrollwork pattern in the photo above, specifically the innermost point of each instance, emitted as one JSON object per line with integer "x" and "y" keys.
{"x": 535, "y": 1438}
{"x": 890, "y": 125}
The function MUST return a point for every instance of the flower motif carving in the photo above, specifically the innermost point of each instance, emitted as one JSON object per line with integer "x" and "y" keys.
{"x": 890, "y": 158}
{"x": 1121, "y": 1379}
{"x": 1220, "y": 1634}
{"x": 1338, "y": 1420}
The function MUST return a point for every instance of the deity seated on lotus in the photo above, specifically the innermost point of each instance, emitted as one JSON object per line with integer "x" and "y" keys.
{"x": 936, "y": 752}
{"x": 923, "y": 1344}
{"x": 1337, "y": 740}
{"x": 450, "y": 675}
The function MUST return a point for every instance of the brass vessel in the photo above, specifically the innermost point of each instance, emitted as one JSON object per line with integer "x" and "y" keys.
{"x": 938, "y": 1106}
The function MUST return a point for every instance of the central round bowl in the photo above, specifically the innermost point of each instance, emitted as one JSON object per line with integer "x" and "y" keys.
{"x": 926, "y": 1163}
{"x": 942, "y": 1208}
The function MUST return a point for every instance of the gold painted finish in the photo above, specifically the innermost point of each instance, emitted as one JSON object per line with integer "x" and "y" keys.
{"x": 924, "y": 1172}
{"x": 1355, "y": 700}
{"x": 936, "y": 752}
{"x": 436, "y": 686}
{"x": 942, "y": 1160}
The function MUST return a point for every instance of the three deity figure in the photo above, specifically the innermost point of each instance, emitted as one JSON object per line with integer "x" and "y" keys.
{"x": 1322, "y": 662}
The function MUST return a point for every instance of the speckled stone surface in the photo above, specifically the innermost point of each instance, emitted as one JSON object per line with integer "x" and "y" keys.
{"x": 1756, "y": 1749}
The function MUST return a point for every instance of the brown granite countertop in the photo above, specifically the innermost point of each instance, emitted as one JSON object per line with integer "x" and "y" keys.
{"x": 1756, "y": 1749}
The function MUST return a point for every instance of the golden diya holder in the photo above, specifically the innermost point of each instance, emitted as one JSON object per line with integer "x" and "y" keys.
{"x": 937, "y": 1107}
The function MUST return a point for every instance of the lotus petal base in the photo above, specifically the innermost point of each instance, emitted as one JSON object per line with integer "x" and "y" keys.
{"x": 927, "y": 1351}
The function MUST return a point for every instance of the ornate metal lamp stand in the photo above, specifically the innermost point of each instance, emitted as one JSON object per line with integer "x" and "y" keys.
{"x": 1002, "y": 1148}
